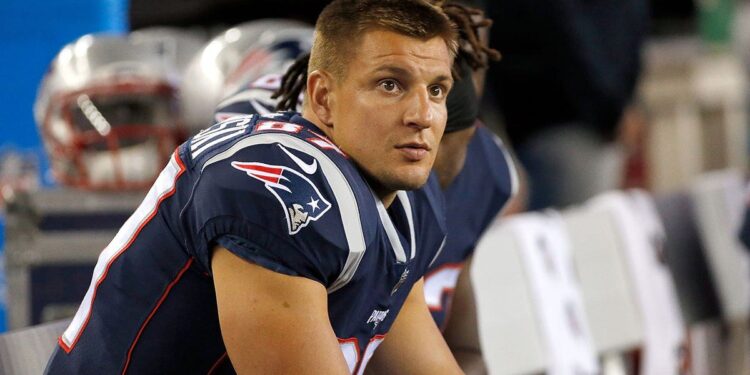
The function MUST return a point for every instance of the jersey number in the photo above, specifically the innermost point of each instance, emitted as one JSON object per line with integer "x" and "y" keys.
{"x": 221, "y": 132}
{"x": 350, "y": 349}
{"x": 439, "y": 283}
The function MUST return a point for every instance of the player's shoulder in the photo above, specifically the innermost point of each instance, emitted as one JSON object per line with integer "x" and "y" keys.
{"x": 489, "y": 157}
{"x": 259, "y": 134}
{"x": 487, "y": 144}
{"x": 279, "y": 184}
{"x": 268, "y": 147}
{"x": 279, "y": 164}
{"x": 431, "y": 200}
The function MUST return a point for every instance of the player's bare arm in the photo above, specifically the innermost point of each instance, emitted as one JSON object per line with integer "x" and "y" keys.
{"x": 273, "y": 323}
{"x": 414, "y": 345}
{"x": 462, "y": 334}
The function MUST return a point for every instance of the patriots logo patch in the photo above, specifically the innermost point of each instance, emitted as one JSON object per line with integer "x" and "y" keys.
{"x": 300, "y": 198}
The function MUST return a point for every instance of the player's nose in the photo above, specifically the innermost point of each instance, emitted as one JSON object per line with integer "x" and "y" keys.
{"x": 420, "y": 111}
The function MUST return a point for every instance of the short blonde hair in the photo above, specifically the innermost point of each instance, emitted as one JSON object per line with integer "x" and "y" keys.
{"x": 343, "y": 22}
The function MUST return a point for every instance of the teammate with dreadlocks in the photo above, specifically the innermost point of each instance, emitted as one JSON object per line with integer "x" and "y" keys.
{"x": 474, "y": 170}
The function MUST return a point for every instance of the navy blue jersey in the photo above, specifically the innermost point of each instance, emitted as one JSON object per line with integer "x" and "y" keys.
{"x": 277, "y": 193}
{"x": 479, "y": 192}
{"x": 474, "y": 198}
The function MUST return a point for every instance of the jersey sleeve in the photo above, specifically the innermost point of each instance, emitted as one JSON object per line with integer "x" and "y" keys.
{"x": 274, "y": 205}
{"x": 431, "y": 215}
{"x": 498, "y": 160}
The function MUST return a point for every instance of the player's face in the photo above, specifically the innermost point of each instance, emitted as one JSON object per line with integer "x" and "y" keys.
{"x": 388, "y": 112}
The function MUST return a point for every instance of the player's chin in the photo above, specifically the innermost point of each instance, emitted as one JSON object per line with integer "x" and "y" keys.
{"x": 409, "y": 177}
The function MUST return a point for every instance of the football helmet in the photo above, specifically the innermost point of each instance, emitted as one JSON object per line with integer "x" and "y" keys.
{"x": 108, "y": 107}
{"x": 247, "y": 54}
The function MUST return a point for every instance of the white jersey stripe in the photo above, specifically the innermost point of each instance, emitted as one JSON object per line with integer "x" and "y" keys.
{"x": 197, "y": 151}
{"x": 162, "y": 188}
{"x": 390, "y": 229}
{"x": 202, "y": 138}
{"x": 347, "y": 202}
{"x": 409, "y": 216}
{"x": 241, "y": 122}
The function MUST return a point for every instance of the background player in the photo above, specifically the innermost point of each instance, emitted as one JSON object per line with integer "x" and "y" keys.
{"x": 479, "y": 179}
{"x": 210, "y": 248}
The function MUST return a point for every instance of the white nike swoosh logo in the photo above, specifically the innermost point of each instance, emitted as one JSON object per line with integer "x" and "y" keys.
{"x": 307, "y": 168}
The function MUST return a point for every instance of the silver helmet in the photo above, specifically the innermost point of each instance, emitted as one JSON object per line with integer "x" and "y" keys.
{"x": 236, "y": 58}
{"x": 108, "y": 110}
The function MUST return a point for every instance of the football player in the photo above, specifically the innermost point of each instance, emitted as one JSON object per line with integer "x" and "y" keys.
{"x": 273, "y": 244}
{"x": 473, "y": 167}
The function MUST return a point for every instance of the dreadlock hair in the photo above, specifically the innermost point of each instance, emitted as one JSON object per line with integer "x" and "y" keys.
{"x": 469, "y": 21}
{"x": 292, "y": 84}
{"x": 470, "y": 49}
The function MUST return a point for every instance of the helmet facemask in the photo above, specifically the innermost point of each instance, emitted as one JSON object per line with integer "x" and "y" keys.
{"x": 112, "y": 137}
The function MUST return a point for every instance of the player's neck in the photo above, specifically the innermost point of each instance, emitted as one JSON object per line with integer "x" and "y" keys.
{"x": 384, "y": 194}
{"x": 309, "y": 115}
{"x": 387, "y": 196}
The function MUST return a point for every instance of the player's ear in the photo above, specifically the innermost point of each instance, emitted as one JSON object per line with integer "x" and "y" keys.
{"x": 319, "y": 85}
